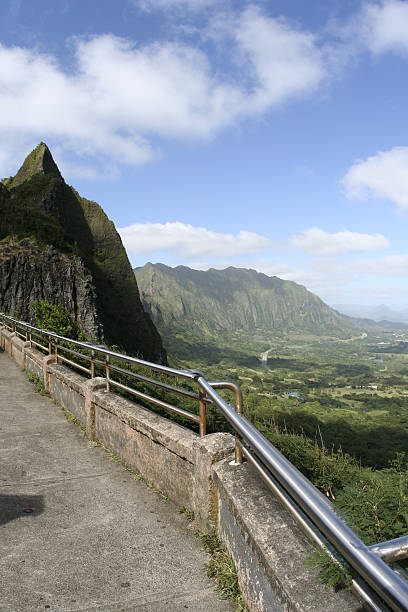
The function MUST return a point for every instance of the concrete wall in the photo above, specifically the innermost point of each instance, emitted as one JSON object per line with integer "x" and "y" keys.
{"x": 174, "y": 459}
{"x": 268, "y": 548}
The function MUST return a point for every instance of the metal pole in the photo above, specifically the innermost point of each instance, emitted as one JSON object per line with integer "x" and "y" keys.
{"x": 239, "y": 404}
{"x": 203, "y": 411}
{"x": 107, "y": 371}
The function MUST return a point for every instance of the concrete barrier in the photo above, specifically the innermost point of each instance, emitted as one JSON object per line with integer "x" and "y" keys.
{"x": 268, "y": 549}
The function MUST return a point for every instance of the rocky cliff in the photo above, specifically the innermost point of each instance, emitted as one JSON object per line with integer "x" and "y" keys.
{"x": 58, "y": 246}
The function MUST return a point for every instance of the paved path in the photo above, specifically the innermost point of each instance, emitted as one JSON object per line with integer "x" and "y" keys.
{"x": 77, "y": 532}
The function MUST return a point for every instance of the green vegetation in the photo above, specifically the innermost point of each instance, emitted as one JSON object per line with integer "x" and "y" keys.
{"x": 214, "y": 301}
{"x": 38, "y": 384}
{"x": 332, "y": 573}
{"x": 55, "y": 318}
{"x": 38, "y": 207}
{"x": 39, "y": 161}
{"x": 221, "y": 567}
{"x": 71, "y": 418}
{"x": 331, "y": 396}
{"x": 22, "y": 217}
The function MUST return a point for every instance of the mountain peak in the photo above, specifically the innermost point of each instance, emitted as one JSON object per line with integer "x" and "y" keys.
{"x": 39, "y": 161}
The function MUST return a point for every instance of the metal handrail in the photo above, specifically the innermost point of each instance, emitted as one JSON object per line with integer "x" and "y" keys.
{"x": 53, "y": 343}
{"x": 385, "y": 582}
{"x": 310, "y": 508}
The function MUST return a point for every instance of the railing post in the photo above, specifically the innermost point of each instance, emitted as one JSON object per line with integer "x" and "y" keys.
{"x": 240, "y": 411}
{"x": 225, "y": 384}
{"x": 92, "y": 363}
{"x": 49, "y": 345}
{"x": 107, "y": 372}
{"x": 203, "y": 411}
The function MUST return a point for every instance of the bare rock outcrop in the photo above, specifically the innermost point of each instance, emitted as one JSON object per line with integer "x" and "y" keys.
{"x": 29, "y": 273}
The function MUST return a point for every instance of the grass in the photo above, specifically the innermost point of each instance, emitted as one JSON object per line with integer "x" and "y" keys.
{"x": 189, "y": 514}
{"x": 37, "y": 382}
{"x": 222, "y": 568}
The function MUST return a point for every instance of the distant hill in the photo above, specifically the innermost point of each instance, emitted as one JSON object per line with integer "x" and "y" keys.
{"x": 207, "y": 302}
{"x": 56, "y": 245}
{"x": 377, "y": 313}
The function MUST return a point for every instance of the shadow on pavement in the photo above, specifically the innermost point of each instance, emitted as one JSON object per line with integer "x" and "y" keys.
{"x": 13, "y": 507}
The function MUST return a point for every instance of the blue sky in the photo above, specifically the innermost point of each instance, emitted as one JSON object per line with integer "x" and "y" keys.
{"x": 270, "y": 135}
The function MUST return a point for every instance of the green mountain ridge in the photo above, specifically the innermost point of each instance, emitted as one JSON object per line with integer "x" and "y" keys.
{"x": 236, "y": 314}
{"x": 213, "y": 301}
{"x": 47, "y": 231}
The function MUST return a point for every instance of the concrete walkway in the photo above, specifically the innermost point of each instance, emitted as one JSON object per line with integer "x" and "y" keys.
{"x": 78, "y": 532}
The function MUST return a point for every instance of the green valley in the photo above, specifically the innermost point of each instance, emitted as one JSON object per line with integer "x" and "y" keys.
{"x": 329, "y": 391}
{"x": 324, "y": 375}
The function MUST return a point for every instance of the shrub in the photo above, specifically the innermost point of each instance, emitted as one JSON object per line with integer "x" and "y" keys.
{"x": 55, "y": 318}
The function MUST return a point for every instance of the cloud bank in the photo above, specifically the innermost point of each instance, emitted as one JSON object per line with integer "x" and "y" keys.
{"x": 189, "y": 242}
{"x": 318, "y": 242}
{"x": 118, "y": 97}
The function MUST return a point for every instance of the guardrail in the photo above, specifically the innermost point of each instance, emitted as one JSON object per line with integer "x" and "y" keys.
{"x": 375, "y": 581}
{"x": 101, "y": 360}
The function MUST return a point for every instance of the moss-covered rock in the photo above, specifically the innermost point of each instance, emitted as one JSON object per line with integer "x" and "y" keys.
{"x": 41, "y": 214}
{"x": 39, "y": 161}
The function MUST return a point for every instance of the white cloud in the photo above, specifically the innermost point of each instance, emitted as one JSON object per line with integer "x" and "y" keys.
{"x": 322, "y": 274}
{"x": 287, "y": 61}
{"x": 383, "y": 176}
{"x": 389, "y": 265}
{"x": 189, "y": 242}
{"x": 318, "y": 242}
{"x": 119, "y": 96}
{"x": 384, "y": 26}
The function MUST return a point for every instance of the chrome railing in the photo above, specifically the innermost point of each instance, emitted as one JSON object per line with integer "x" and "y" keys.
{"x": 100, "y": 360}
{"x": 375, "y": 582}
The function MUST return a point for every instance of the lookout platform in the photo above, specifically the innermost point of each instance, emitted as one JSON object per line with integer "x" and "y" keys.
{"x": 78, "y": 532}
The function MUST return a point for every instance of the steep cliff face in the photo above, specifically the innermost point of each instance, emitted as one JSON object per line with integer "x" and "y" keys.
{"x": 232, "y": 299}
{"x": 29, "y": 273}
{"x": 57, "y": 246}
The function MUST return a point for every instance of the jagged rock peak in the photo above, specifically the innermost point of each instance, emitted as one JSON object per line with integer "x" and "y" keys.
{"x": 39, "y": 161}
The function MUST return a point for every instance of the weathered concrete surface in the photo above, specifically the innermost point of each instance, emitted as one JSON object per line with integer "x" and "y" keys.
{"x": 174, "y": 458}
{"x": 268, "y": 548}
{"x": 92, "y": 529}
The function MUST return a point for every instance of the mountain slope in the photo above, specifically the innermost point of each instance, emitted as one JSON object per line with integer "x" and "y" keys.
{"x": 58, "y": 246}
{"x": 232, "y": 299}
